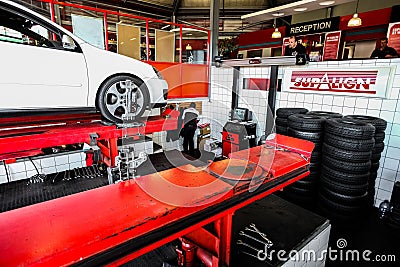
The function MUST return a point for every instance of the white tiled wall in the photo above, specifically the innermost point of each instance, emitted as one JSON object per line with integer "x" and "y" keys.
{"x": 387, "y": 109}
{"x": 217, "y": 110}
{"x": 24, "y": 169}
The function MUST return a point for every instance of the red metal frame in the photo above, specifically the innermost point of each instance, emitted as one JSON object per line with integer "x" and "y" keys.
{"x": 36, "y": 133}
{"x": 105, "y": 12}
{"x": 67, "y": 230}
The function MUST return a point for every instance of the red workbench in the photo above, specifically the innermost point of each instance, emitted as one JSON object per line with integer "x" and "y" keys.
{"x": 116, "y": 223}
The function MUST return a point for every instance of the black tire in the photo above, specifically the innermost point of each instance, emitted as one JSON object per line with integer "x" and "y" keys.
{"x": 345, "y": 155}
{"x": 286, "y": 112}
{"x": 379, "y": 137}
{"x": 326, "y": 114}
{"x": 316, "y": 156}
{"x": 349, "y": 128}
{"x": 349, "y": 144}
{"x": 281, "y": 130}
{"x": 375, "y": 157}
{"x": 346, "y": 166}
{"x": 281, "y": 121}
{"x": 315, "y": 137}
{"x": 378, "y": 148}
{"x": 307, "y": 123}
{"x": 350, "y": 190}
{"x": 379, "y": 124}
{"x": 345, "y": 199}
{"x": 343, "y": 177}
{"x": 110, "y": 92}
{"x": 333, "y": 205}
{"x": 374, "y": 166}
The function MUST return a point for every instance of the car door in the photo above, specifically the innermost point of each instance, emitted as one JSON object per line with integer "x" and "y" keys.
{"x": 36, "y": 71}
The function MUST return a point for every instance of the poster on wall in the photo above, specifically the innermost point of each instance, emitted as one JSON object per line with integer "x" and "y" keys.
{"x": 394, "y": 36}
{"x": 368, "y": 82}
{"x": 285, "y": 42}
{"x": 89, "y": 29}
{"x": 331, "y": 47}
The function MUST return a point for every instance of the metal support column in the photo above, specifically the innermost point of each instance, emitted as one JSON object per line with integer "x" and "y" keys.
{"x": 235, "y": 90}
{"x": 273, "y": 87}
{"x": 214, "y": 25}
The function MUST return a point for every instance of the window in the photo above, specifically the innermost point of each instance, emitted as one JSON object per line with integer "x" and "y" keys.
{"x": 16, "y": 28}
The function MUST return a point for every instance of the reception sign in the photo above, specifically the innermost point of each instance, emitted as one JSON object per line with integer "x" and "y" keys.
{"x": 394, "y": 36}
{"x": 331, "y": 47}
{"x": 370, "y": 82}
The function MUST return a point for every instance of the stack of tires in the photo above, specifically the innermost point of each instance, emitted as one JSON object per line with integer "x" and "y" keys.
{"x": 307, "y": 127}
{"x": 346, "y": 162}
{"x": 281, "y": 120}
{"x": 380, "y": 127}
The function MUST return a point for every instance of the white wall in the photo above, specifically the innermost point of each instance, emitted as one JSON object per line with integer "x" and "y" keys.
{"x": 388, "y": 109}
{"x": 364, "y": 49}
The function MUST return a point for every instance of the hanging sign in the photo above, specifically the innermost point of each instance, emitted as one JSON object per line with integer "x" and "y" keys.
{"x": 370, "y": 82}
{"x": 331, "y": 46}
{"x": 316, "y": 26}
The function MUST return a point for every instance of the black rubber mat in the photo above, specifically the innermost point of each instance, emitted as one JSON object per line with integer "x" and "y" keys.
{"x": 21, "y": 193}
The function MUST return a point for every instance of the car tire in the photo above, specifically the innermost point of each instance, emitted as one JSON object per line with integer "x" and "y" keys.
{"x": 379, "y": 124}
{"x": 349, "y": 128}
{"x": 306, "y": 123}
{"x": 345, "y": 155}
{"x": 326, "y": 114}
{"x": 346, "y": 166}
{"x": 113, "y": 89}
{"x": 348, "y": 143}
{"x": 286, "y": 112}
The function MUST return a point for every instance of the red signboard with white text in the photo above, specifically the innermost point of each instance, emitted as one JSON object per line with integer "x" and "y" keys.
{"x": 370, "y": 82}
{"x": 331, "y": 47}
{"x": 394, "y": 36}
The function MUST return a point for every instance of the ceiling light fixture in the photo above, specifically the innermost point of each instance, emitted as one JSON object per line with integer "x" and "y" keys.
{"x": 166, "y": 26}
{"x": 278, "y": 8}
{"x": 300, "y": 9}
{"x": 276, "y": 34}
{"x": 187, "y": 29}
{"x": 278, "y": 14}
{"x": 188, "y": 47}
{"x": 326, "y": 3}
{"x": 355, "y": 21}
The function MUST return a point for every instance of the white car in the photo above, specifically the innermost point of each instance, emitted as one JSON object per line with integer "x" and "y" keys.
{"x": 45, "y": 66}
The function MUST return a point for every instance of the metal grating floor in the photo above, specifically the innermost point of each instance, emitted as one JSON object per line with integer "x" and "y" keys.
{"x": 21, "y": 193}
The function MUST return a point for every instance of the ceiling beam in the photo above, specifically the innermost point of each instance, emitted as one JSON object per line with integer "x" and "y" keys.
{"x": 175, "y": 6}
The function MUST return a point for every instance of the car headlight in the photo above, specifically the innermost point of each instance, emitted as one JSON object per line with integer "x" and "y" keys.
{"x": 158, "y": 73}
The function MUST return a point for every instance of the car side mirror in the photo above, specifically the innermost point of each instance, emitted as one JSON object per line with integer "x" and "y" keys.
{"x": 68, "y": 42}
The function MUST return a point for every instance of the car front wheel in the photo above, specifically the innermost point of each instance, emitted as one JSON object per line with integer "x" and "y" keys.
{"x": 122, "y": 98}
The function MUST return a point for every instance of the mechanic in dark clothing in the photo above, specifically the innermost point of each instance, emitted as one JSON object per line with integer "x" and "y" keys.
{"x": 189, "y": 118}
{"x": 294, "y": 48}
{"x": 384, "y": 51}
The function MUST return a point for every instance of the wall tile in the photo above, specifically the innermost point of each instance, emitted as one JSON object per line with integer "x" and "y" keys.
{"x": 391, "y": 164}
{"x": 382, "y": 194}
{"x": 362, "y": 102}
{"x": 394, "y": 141}
{"x": 387, "y": 115}
{"x": 386, "y": 185}
{"x": 375, "y": 103}
{"x": 389, "y": 175}
{"x": 350, "y": 102}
